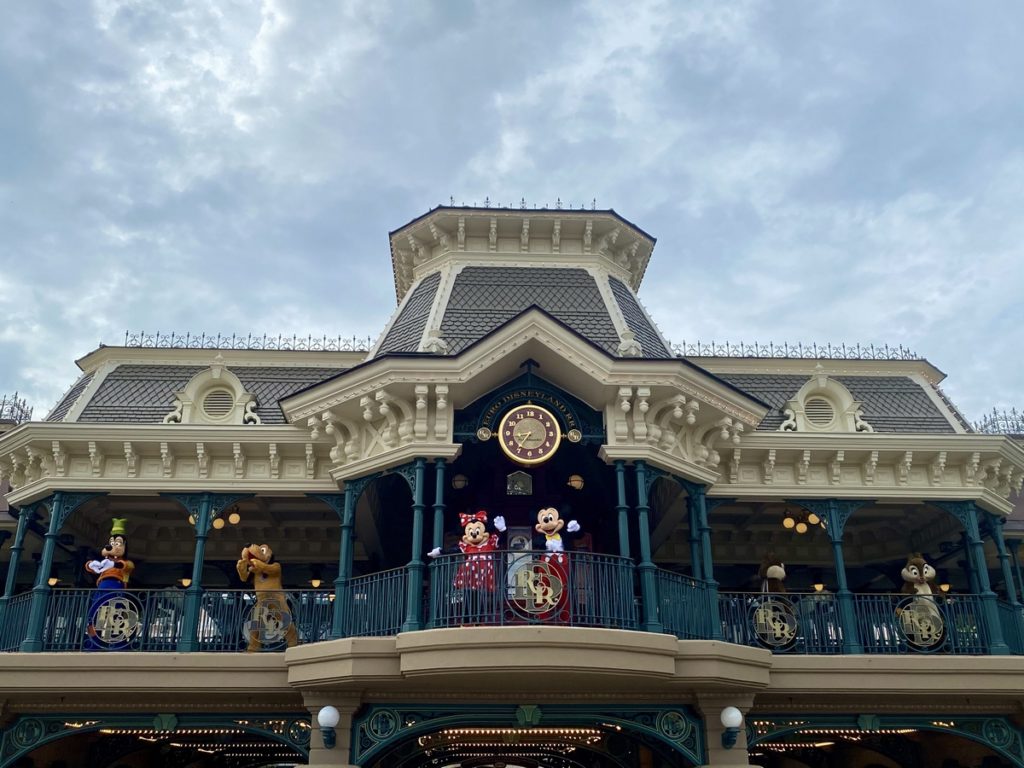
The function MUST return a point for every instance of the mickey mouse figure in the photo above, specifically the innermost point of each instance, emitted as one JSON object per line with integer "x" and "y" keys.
{"x": 549, "y": 526}
{"x": 475, "y": 579}
{"x": 549, "y": 537}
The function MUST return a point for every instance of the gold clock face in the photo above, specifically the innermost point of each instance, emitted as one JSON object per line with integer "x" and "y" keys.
{"x": 529, "y": 434}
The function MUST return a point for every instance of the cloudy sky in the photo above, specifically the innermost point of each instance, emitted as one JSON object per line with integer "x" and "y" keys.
{"x": 813, "y": 171}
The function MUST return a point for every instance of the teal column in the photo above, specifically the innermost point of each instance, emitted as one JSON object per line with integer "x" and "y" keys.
{"x": 414, "y": 571}
{"x": 698, "y": 495}
{"x": 648, "y": 580}
{"x": 61, "y": 508}
{"x": 439, "y": 469}
{"x": 188, "y": 641}
{"x": 203, "y": 509}
{"x": 24, "y": 515}
{"x": 835, "y": 513}
{"x": 437, "y": 537}
{"x": 696, "y": 561}
{"x": 997, "y": 644}
{"x": 972, "y": 569}
{"x": 967, "y": 513}
{"x": 1012, "y": 545}
{"x": 339, "y": 614}
{"x": 995, "y": 524}
{"x": 622, "y": 507}
{"x": 344, "y": 505}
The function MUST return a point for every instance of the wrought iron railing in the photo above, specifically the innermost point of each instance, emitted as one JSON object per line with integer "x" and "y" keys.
{"x": 1011, "y": 621}
{"x": 510, "y": 587}
{"x": 374, "y": 605}
{"x": 685, "y": 605}
{"x": 14, "y": 408}
{"x": 1001, "y": 423}
{"x": 810, "y": 351}
{"x": 885, "y": 623}
{"x": 154, "y": 620}
{"x": 911, "y": 624}
{"x": 782, "y": 623}
{"x": 293, "y": 343}
{"x": 12, "y": 629}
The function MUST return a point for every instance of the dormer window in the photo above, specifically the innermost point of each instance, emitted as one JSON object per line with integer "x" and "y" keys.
{"x": 217, "y": 403}
{"x": 824, "y": 405}
{"x": 214, "y": 396}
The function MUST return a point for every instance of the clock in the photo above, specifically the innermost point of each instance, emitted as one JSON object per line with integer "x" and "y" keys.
{"x": 529, "y": 434}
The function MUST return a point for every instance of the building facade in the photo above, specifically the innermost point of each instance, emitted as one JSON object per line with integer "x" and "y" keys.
{"x": 521, "y": 528}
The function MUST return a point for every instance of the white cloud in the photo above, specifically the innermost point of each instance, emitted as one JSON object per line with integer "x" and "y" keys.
{"x": 816, "y": 172}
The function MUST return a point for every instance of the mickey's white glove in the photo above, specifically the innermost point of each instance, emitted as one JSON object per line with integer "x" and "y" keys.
{"x": 99, "y": 566}
{"x": 499, "y": 523}
{"x": 553, "y": 545}
{"x": 572, "y": 527}
{"x": 435, "y": 552}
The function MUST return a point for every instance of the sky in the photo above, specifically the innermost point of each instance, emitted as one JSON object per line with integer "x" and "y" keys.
{"x": 813, "y": 171}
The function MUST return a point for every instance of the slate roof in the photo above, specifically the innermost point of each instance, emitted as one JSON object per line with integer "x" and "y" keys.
{"x": 637, "y": 320}
{"x": 145, "y": 393}
{"x": 483, "y": 298}
{"x": 61, "y": 409}
{"x": 890, "y": 403}
{"x": 407, "y": 330}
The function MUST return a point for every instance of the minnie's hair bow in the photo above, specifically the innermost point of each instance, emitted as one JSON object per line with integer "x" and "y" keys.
{"x": 465, "y": 519}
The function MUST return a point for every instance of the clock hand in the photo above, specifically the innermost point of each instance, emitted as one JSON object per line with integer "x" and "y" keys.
{"x": 524, "y": 436}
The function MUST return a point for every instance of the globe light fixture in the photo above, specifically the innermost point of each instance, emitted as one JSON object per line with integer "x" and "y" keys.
{"x": 576, "y": 482}
{"x": 732, "y": 721}
{"x": 459, "y": 482}
{"x": 315, "y": 583}
{"x": 813, "y": 519}
{"x": 801, "y": 527}
{"x": 788, "y": 521}
{"x": 52, "y": 581}
{"x": 234, "y": 518}
{"x": 218, "y": 523}
{"x": 327, "y": 718}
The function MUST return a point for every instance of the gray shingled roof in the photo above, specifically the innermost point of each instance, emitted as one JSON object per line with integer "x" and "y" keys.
{"x": 637, "y": 320}
{"x": 891, "y": 403}
{"x": 61, "y": 409}
{"x": 407, "y": 330}
{"x": 484, "y": 298}
{"x": 145, "y": 393}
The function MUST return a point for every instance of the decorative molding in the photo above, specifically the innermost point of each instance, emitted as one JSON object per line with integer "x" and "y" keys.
{"x": 799, "y": 350}
{"x": 190, "y": 403}
{"x": 843, "y": 412}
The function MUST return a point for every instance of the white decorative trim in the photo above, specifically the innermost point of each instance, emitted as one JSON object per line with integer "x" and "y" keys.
{"x": 188, "y": 403}
{"x": 847, "y": 415}
{"x": 98, "y": 377}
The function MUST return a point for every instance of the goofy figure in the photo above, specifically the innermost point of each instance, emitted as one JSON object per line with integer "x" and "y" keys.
{"x": 113, "y": 616}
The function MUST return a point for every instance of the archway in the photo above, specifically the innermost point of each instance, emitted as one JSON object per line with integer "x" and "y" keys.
{"x": 859, "y": 741}
{"x": 196, "y": 741}
{"x": 558, "y": 736}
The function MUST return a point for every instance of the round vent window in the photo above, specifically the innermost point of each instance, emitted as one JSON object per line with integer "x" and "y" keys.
{"x": 819, "y": 411}
{"x": 218, "y": 403}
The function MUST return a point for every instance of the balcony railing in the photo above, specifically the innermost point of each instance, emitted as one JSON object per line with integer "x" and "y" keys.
{"x": 685, "y": 606}
{"x": 374, "y": 605}
{"x": 508, "y": 588}
{"x": 154, "y": 620}
{"x": 810, "y": 623}
{"x": 513, "y": 587}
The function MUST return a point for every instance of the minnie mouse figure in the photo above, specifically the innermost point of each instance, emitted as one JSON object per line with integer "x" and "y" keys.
{"x": 474, "y": 581}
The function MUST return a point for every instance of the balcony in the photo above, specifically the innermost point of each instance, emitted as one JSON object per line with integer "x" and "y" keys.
{"x": 515, "y": 588}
